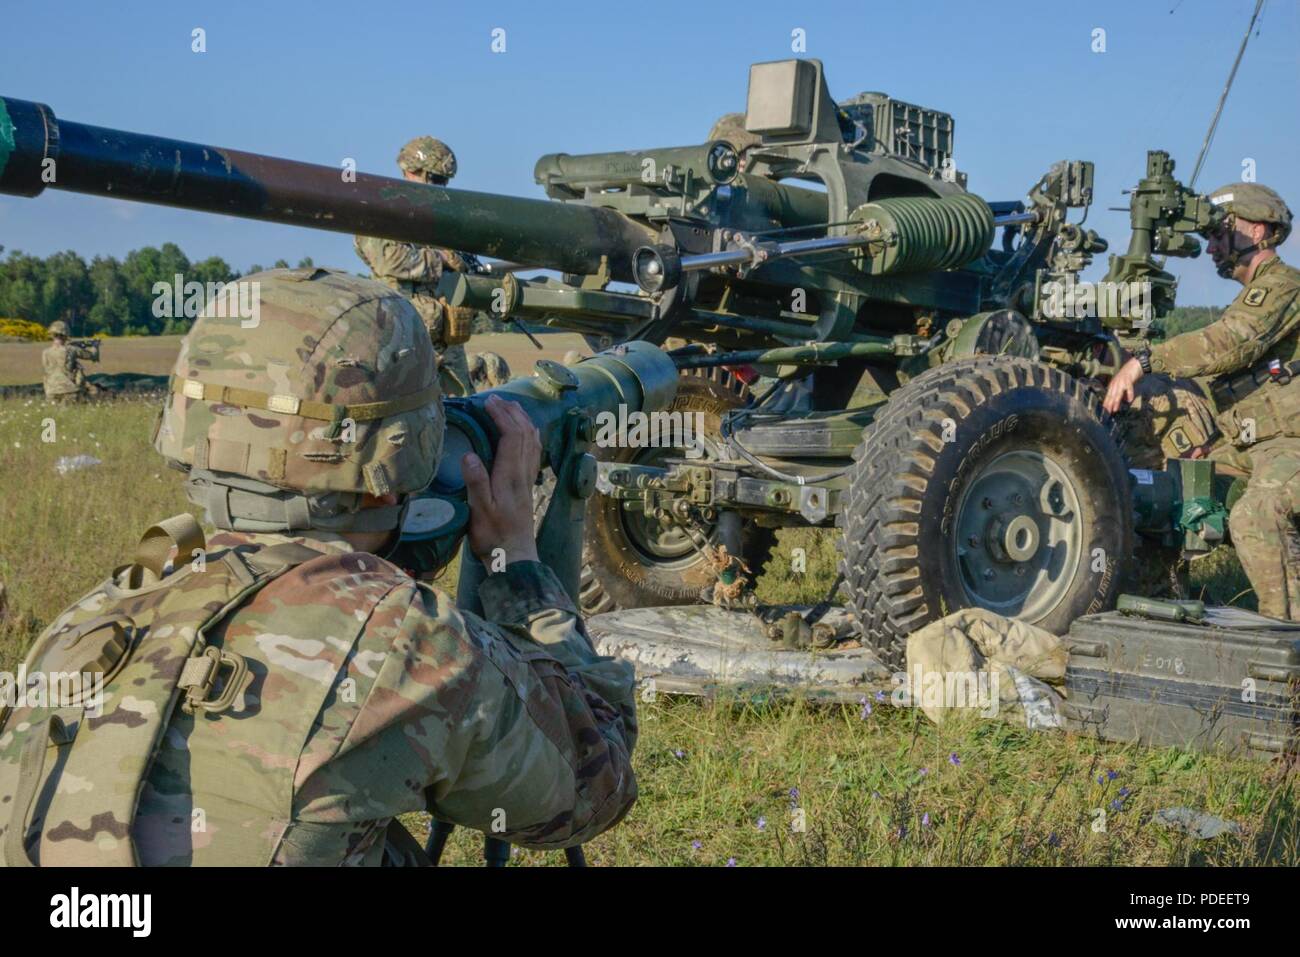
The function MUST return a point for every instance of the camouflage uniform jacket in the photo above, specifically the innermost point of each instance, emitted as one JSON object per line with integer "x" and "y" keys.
{"x": 372, "y": 696}
{"x": 1261, "y": 325}
{"x": 62, "y": 366}
{"x": 414, "y": 271}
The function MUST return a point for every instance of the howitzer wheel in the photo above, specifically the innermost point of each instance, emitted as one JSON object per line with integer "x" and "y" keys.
{"x": 994, "y": 482}
{"x": 630, "y": 562}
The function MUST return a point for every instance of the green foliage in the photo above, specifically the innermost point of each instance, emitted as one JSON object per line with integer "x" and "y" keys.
{"x": 108, "y": 297}
{"x": 1187, "y": 319}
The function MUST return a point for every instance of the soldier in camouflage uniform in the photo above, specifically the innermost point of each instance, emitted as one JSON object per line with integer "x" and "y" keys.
{"x": 415, "y": 270}
{"x": 322, "y": 691}
{"x": 487, "y": 370}
{"x": 1250, "y": 358}
{"x": 65, "y": 380}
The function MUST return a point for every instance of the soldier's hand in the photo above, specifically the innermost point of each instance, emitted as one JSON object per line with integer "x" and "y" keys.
{"x": 1120, "y": 391}
{"x": 501, "y": 504}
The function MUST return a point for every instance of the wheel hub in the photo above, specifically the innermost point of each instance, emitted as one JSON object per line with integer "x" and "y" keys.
{"x": 1018, "y": 537}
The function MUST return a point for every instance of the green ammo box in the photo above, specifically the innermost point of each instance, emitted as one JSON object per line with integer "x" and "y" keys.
{"x": 1221, "y": 679}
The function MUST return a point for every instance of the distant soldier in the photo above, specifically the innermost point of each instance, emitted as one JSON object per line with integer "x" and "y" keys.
{"x": 487, "y": 370}
{"x": 65, "y": 381}
{"x": 1251, "y": 356}
{"x": 415, "y": 270}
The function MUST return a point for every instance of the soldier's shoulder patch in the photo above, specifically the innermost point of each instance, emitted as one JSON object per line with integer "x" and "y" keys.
{"x": 1255, "y": 296}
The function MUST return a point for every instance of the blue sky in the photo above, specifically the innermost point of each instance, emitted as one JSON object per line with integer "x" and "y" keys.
{"x": 327, "y": 80}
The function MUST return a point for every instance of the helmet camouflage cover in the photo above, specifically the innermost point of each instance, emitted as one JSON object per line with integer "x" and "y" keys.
{"x": 58, "y": 328}
{"x": 424, "y": 154}
{"x": 1256, "y": 203}
{"x": 331, "y": 393}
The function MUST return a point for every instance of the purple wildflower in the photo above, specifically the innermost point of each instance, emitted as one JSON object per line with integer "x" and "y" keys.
{"x": 866, "y": 708}
{"x": 762, "y": 823}
{"x": 1111, "y": 775}
{"x": 731, "y": 862}
{"x": 925, "y": 819}
{"x": 696, "y": 845}
{"x": 954, "y": 760}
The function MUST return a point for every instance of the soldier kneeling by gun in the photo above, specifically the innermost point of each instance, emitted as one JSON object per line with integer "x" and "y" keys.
{"x": 281, "y": 693}
{"x": 65, "y": 381}
{"x": 1250, "y": 358}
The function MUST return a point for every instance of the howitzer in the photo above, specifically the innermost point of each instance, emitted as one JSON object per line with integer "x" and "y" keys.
{"x": 918, "y": 389}
{"x": 723, "y": 250}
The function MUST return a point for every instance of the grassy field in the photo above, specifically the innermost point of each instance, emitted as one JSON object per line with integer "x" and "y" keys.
{"x": 720, "y": 781}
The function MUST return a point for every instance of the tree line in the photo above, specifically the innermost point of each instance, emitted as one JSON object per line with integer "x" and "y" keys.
{"x": 107, "y": 297}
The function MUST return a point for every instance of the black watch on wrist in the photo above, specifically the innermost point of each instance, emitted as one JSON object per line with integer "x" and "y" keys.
{"x": 1144, "y": 360}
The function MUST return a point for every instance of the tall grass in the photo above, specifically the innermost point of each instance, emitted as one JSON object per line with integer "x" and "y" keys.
{"x": 721, "y": 781}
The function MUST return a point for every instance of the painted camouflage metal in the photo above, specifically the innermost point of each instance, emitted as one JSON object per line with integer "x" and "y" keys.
{"x": 322, "y": 336}
{"x": 707, "y": 650}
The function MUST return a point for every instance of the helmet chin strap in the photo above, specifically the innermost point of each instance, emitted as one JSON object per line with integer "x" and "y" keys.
{"x": 1228, "y": 265}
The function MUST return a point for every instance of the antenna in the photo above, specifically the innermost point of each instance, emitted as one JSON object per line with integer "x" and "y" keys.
{"x": 1223, "y": 97}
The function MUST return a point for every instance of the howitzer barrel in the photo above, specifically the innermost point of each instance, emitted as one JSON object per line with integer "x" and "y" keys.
{"x": 37, "y": 150}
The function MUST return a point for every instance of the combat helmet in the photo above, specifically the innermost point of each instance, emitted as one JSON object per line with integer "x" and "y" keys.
{"x": 1258, "y": 204}
{"x": 429, "y": 156}
{"x": 287, "y": 415}
{"x": 58, "y": 328}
